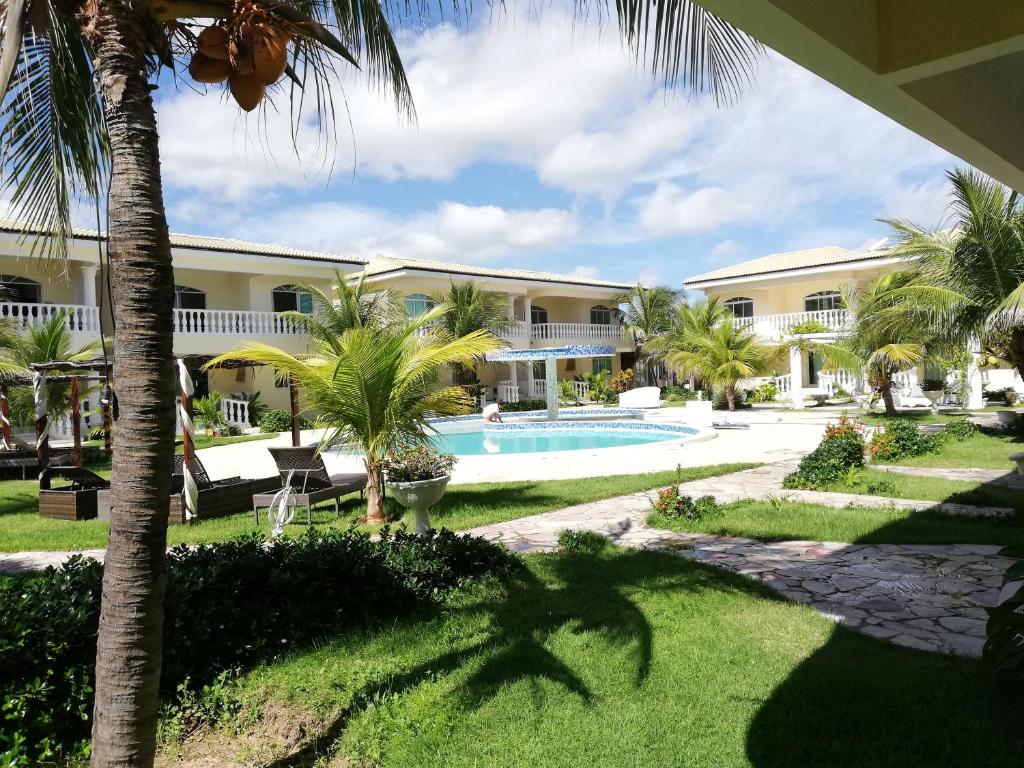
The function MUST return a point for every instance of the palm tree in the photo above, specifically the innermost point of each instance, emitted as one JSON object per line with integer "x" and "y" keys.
{"x": 970, "y": 277}
{"x": 888, "y": 335}
{"x": 76, "y": 83}
{"x": 353, "y": 306}
{"x": 42, "y": 343}
{"x": 473, "y": 309}
{"x": 720, "y": 355}
{"x": 647, "y": 313}
{"x": 375, "y": 387}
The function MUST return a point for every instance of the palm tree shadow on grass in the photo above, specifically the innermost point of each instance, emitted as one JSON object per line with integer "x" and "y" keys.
{"x": 858, "y": 701}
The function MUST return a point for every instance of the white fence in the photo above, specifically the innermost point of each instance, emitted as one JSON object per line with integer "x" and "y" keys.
{"x": 577, "y": 331}
{"x": 236, "y": 412}
{"x": 776, "y": 327}
{"x": 233, "y": 322}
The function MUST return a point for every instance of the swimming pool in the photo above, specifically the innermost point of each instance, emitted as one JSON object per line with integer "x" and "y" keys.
{"x": 540, "y": 438}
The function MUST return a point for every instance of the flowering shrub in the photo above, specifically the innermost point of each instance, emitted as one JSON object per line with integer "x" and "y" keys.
{"x": 840, "y": 448}
{"x": 623, "y": 381}
{"x": 900, "y": 439}
{"x": 960, "y": 429}
{"x": 671, "y": 504}
{"x": 419, "y": 463}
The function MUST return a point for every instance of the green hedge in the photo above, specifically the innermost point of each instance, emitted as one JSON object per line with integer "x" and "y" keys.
{"x": 228, "y": 605}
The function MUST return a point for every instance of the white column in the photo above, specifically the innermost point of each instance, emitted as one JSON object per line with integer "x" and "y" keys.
{"x": 88, "y": 274}
{"x": 528, "y": 331}
{"x": 975, "y": 398}
{"x": 514, "y": 375}
{"x": 796, "y": 377}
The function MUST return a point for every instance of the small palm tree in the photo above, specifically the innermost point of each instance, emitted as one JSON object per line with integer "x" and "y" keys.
{"x": 374, "y": 388}
{"x": 647, "y": 313}
{"x": 889, "y": 334}
{"x": 42, "y": 343}
{"x": 720, "y": 355}
{"x": 209, "y": 414}
{"x": 969, "y": 279}
{"x": 473, "y": 309}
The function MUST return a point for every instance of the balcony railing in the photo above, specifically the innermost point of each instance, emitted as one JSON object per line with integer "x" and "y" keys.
{"x": 577, "y": 331}
{"x": 78, "y": 317}
{"x": 233, "y": 322}
{"x": 776, "y": 327}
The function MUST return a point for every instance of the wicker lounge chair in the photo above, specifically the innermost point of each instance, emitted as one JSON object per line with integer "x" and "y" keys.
{"x": 75, "y": 502}
{"x": 217, "y": 498}
{"x": 311, "y": 483}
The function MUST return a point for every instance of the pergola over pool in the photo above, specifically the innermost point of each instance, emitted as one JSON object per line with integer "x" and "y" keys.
{"x": 549, "y": 355}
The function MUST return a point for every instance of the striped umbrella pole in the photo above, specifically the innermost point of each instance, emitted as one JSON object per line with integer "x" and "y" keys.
{"x": 188, "y": 431}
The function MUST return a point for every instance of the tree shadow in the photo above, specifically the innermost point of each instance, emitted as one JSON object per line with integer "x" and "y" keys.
{"x": 859, "y": 701}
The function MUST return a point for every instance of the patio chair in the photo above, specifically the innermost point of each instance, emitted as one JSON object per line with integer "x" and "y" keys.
{"x": 77, "y": 501}
{"x": 217, "y": 498}
{"x": 310, "y": 481}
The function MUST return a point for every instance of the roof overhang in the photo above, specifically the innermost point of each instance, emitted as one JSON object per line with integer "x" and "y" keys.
{"x": 526, "y": 284}
{"x": 782, "y": 275}
{"x": 949, "y": 70}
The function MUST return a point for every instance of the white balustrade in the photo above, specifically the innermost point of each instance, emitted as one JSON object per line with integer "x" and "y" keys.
{"x": 775, "y": 327}
{"x": 236, "y": 412}
{"x": 508, "y": 392}
{"x": 783, "y": 384}
{"x": 78, "y": 317}
{"x": 586, "y": 332}
{"x": 234, "y": 322}
{"x": 540, "y": 389}
{"x": 581, "y": 388}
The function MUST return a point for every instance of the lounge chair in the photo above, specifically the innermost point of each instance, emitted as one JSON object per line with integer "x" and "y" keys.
{"x": 217, "y": 498}
{"x": 641, "y": 397}
{"x": 310, "y": 481}
{"x": 76, "y": 501}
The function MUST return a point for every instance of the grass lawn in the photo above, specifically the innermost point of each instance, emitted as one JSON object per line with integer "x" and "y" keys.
{"x": 900, "y": 486}
{"x": 624, "y": 658}
{"x": 202, "y": 441}
{"x": 464, "y": 506}
{"x": 982, "y": 451}
{"x": 797, "y": 521}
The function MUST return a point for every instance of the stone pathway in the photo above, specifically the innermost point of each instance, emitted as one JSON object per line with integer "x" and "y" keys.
{"x": 931, "y": 597}
{"x": 1006, "y": 477}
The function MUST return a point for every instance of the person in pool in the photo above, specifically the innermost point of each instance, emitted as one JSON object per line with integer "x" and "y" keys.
{"x": 492, "y": 414}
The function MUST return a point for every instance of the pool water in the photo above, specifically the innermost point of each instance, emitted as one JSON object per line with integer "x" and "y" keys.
{"x": 536, "y": 441}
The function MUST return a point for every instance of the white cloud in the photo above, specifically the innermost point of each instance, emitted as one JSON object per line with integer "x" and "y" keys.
{"x": 591, "y": 273}
{"x": 452, "y": 231}
{"x": 649, "y": 276}
{"x": 727, "y": 249}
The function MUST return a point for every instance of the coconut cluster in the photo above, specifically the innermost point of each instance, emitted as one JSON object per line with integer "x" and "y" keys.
{"x": 250, "y": 51}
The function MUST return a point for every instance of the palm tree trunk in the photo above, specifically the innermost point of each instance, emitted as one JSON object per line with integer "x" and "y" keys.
{"x": 885, "y": 389}
{"x": 134, "y": 574}
{"x": 374, "y": 494}
{"x": 730, "y": 396}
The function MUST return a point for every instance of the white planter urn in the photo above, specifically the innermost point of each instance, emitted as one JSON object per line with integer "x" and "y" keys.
{"x": 420, "y": 496}
{"x": 933, "y": 396}
{"x": 1007, "y": 418}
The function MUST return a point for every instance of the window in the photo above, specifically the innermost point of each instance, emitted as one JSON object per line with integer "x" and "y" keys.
{"x": 188, "y": 298}
{"x": 823, "y": 300}
{"x": 600, "y": 315}
{"x": 291, "y": 298}
{"x": 417, "y": 303}
{"x": 740, "y": 306}
{"x": 20, "y": 289}
{"x": 538, "y": 316}
{"x": 602, "y": 365}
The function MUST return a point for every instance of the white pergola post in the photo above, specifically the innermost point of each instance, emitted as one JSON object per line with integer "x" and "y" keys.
{"x": 513, "y": 368}
{"x": 975, "y": 398}
{"x": 528, "y": 333}
{"x": 796, "y": 377}
{"x": 551, "y": 377}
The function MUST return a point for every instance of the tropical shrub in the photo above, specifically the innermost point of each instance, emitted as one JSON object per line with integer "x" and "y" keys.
{"x": 720, "y": 399}
{"x": 677, "y": 393}
{"x": 808, "y": 326}
{"x": 841, "y": 448}
{"x": 673, "y": 504}
{"x": 900, "y": 439}
{"x": 599, "y": 389}
{"x": 622, "y": 381}
{"x": 765, "y": 392}
{"x": 279, "y": 420}
{"x": 567, "y": 394}
{"x": 417, "y": 463}
{"x": 960, "y": 429}
{"x": 208, "y": 414}
{"x": 933, "y": 385}
{"x": 1004, "y": 647}
{"x": 524, "y": 405}
{"x": 48, "y": 623}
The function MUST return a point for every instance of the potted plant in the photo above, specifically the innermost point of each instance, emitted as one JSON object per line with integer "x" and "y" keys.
{"x": 417, "y": 478}
{"x": 934, "y": 390}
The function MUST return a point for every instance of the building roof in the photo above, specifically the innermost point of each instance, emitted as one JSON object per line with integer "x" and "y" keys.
{"x": 784, "y": 262}
{"x": 384, "y": 265}
{"x": 207, "y": 243}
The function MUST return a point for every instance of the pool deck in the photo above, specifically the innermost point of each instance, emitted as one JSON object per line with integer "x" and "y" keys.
{"x": 766, "y": 440}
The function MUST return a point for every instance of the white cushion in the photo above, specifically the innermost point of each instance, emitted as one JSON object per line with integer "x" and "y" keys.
{"x": 642, "y": 397}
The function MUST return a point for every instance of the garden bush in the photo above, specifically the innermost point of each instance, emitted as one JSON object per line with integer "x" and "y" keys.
{"x": 622, "y": 381}
{"x": 765, "y": 392}
{"x": 676, "y": 392}
{"x": 673, "y": 504}
{"x": 901, "y": 439}
{"x": 228, "y": 605}
{"x": 525, "y": 405}
{"x": 841, "y": 448}
{"x": 279, "y": 420}
{"x": 960, "y": 429}
{"x": 582, "y": 542}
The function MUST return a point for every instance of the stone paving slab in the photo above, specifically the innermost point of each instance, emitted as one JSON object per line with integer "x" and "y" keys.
{"x": 930, "y": 597}
{"x": 1005, "y": 477}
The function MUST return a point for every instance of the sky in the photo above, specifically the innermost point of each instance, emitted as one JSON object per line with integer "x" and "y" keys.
{"x": 542, "y": 145}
